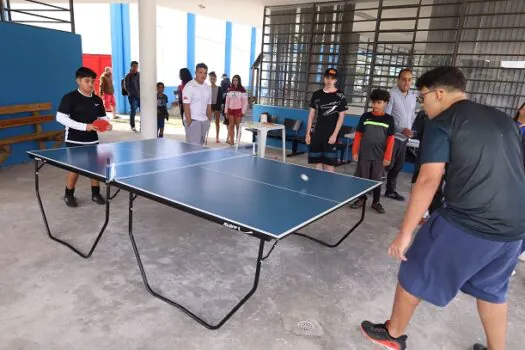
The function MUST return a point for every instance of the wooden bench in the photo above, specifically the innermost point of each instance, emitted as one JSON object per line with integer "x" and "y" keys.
{"x": 36, "y": 119}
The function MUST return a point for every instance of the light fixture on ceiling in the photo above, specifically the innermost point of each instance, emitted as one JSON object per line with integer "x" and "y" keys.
{"x": 202, "y": 7}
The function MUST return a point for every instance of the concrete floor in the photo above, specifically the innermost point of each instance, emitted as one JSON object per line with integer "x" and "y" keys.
{"x": 50, "y": 299}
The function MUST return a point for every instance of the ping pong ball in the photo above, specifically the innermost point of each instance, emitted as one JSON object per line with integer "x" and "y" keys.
{"x": 304, "y": 177}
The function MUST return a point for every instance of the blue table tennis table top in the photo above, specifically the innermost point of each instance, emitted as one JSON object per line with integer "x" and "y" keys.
{"x": 267, "y": 196}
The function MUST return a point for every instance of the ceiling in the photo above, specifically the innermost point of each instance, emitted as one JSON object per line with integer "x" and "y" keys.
{"x": 248, "y": 12}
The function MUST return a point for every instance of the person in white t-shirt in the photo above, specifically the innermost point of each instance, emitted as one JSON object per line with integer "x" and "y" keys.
{"x": 196, "y": 98}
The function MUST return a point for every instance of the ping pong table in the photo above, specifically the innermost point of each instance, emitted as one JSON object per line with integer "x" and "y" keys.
{"x": 260, "y": 197}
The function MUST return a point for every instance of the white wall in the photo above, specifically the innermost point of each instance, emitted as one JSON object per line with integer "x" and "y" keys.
{"x": 92, "y": 23}
{"x": 241, "y": 47}
{"x": 210, "y": 43}
{"x": 171, "y": 42}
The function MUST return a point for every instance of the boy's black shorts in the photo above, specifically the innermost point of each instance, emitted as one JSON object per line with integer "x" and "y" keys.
{"x": 320, "y": 151}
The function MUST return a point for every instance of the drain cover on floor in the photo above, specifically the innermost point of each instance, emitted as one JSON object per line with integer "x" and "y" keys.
{"x": 305, "y": 326}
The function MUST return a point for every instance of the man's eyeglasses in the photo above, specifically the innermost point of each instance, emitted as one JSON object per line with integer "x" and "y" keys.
{"x": 421, "y": 97}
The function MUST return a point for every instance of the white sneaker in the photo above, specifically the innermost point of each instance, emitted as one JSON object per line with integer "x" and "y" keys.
{"x": 513, "y": 273}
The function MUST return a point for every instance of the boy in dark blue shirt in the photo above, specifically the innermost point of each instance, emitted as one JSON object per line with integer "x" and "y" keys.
{"x": 77, "y": 112}
{"x": 162, "y": 109}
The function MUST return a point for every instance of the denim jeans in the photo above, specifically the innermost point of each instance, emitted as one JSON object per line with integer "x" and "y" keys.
{"x": 134, "y": 103}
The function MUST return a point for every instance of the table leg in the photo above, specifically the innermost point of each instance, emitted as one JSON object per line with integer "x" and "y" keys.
{"x": 261, "y": 142}
{"x": 259, "y": 260}
{"x": 87, "y": 255}
{"x": 284, "y": 144}
{"x": 330, "y": 245}
{"x": 238, "y": 139}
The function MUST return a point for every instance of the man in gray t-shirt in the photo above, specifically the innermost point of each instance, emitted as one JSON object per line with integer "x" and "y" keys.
{"x": 402, "y": 107}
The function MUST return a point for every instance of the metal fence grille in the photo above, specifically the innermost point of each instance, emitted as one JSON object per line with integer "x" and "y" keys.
{"x": 370, "y": 41}
{"x": 38, "y": 13}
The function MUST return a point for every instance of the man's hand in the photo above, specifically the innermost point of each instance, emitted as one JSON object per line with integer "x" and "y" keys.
{"x": 307, "y": 139}
{"x": 109, "y": 127}
{"x": 386, "y": 163}
{"x": 188, "y": 122}
{"x": 356, "y": 157}
{"x": 407, "y": 132}
{"x": 91, "y": 127}
{"x": 399, "y": 246}
{"x": 332, "y": 140}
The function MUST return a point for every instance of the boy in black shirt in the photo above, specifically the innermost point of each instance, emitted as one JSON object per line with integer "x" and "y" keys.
{"x": 373, "y": 145}
{"x": 77, "y": 112}
{"x": 327, "y": 112}
{"x": 162, "y": 109}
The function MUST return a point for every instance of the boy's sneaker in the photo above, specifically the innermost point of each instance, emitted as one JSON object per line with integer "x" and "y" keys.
{"x": 71, "y": 201}
{"x": 395, "y": 196}
{"x": 378, "y": 334}
{"x": 479, "y": 347}
{"x": 378, "y": 208}
{"x": 358, "y": 203}
{"x": 97, "y": 198}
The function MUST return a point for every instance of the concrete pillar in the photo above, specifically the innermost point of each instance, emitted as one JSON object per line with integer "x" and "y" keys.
{"x": 148, "y": 67}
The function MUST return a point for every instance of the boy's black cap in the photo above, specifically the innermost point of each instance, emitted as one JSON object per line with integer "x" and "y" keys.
{"x": 331, "y": 72}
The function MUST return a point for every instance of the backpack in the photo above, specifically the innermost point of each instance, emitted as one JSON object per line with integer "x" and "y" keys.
{"x": 123, "y": 87}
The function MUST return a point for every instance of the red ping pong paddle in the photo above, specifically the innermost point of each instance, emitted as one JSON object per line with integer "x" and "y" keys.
{"x": 101, "y": 124}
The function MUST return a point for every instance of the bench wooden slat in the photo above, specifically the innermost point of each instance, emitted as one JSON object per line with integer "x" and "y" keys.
{"x": 42, "y": 136}
{"x": 14, "y": 122}
{"x": 34, "y": 107}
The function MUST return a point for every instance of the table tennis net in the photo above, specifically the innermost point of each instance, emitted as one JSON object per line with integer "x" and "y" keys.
{"x": 126, "y": 170}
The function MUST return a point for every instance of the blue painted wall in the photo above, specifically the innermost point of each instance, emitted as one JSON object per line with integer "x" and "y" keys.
{"x": 252, "y": 53}
{"x": 228, "y": 50}
{"x": 191, "y": 43}
{"x": 302, "y": 114}
{"x": 120, "y": 51}
{"x": 293, "y": 113}
{"x": 41, "y": 70}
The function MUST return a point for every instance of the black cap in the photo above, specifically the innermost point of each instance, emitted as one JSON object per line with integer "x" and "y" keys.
{"x": 331, "y": 72}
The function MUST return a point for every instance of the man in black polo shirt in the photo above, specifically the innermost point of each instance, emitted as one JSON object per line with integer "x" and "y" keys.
{"x": 473, "y": 242}
{"x": 77, "y": 112}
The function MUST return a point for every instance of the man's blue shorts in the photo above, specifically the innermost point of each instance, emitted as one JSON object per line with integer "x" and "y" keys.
{"x": 444, "y": 259}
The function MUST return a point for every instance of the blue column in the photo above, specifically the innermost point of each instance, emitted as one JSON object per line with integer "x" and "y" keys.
{"x": 252, "y": 53}
{"x": 120, "y": 51}
{"x": 228, "y": 49}
{"x": 190, "y": 57}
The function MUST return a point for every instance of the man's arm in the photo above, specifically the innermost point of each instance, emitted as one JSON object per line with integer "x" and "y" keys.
{"x": 338, "y": 126}
{"x": 186, "y": 100}
{"x": 126, "y": 83}
{"x": 209, "y": 112}
{"x": 309, "y": 124}
{"x": 423, "y": 192}
{"x": 356, "y": 146}
{"x": 187, "y": 114}
{"x": 102, "y": 86}
{"x": 435, "y": 155}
